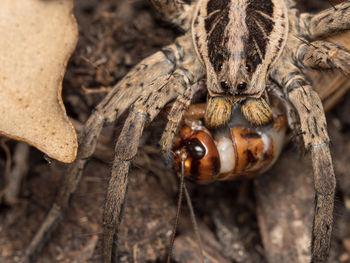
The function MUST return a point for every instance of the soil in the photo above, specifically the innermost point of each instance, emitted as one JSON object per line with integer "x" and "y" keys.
{"x": 267, "y": 219}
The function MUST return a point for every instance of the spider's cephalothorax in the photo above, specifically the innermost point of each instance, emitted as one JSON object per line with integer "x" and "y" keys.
{"x": 238, "y": 47}
{"x": 237, "y": 42}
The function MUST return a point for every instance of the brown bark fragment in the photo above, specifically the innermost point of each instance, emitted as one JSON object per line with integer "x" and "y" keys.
{"x": 285, "y": 206}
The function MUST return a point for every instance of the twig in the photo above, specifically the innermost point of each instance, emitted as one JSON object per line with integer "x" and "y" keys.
{"x": 15, "y": 176}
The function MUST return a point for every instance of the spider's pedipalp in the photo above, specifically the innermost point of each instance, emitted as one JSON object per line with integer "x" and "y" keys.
{"x": 314, "y": 133}
{"x": 243, "y": 44}
{"x": 324, "y": 55}
{"x": 327, "y": 22}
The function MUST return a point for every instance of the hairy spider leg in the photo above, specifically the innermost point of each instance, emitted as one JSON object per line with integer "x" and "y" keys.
{"x": 144, "y": 110}
{"x": 327, "y": 22}
{"x": 324, "y": 55}
{"x": 313, "y": 129}
{"x": 175, "y": 11}
{"x": 148, "y": 76}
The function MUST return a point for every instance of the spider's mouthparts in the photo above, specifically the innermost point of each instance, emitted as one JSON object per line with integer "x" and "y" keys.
{"x": 257, "y": 111}
{"x": 217, "y": 112}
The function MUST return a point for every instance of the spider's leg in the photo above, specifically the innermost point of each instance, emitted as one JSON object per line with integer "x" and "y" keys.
{"x": 175, "y": 117}
{"x": 323, "y": 55}
{"x": 144, "y": 110}
{"x": 175, "y": 11}
{"x": 149, "y": 73}
{"x": 327, "y": 22}
{"x": 125, "y": 150}
{"x": 315, "y": 137}
{"x": 275, "y": 90}
{"x": 87, "y": 143}
{"x": 155, "y": 95}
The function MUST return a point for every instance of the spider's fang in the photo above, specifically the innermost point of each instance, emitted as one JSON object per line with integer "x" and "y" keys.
{"x": 257, "y": 111}
{"x": 218, "y": 112}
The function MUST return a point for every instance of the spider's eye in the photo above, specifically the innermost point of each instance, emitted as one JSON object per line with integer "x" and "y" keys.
{"x": 219, "y": 67}
{"x": 195, "y": 148}
{"x": 242, "y": 86}
{"x": 218, "y": 63}
{"x": 248, "y": 67}
{"x": 224, "y": 86}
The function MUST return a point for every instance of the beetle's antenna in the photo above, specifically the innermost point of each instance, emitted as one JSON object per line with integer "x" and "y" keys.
{"x": 179, "y": 201}
{"x": 194, "y": 223}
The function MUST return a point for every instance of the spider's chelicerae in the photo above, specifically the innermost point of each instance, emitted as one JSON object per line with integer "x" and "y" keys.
{"x": 239, "y": 47}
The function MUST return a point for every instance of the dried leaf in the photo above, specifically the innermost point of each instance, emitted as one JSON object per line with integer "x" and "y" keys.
{"x": 37, "y": 39}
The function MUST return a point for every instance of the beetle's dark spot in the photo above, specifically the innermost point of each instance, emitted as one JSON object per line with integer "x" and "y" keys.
{"x": 195, "y": 148}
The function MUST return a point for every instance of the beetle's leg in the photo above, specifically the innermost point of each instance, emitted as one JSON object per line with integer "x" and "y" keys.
{"x": 323, "y": 55}
{"x": 176, "y": 11}
{"x": 313, "y": 129}
{"x": 327, "y": 22}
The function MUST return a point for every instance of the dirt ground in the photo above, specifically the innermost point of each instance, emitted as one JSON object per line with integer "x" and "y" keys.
{"x": 267, "y": 219}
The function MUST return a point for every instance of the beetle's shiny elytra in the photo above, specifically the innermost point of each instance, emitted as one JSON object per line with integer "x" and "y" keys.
{"x": 228, "y": 152}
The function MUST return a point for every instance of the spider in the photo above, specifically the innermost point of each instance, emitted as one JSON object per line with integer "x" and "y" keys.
{"x": 239, "y": 47}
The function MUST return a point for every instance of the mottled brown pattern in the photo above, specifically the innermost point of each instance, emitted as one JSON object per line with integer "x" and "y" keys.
{"x": 215, "y": 25}
{"x": 253, "y": 154}
{"x": 259, "y": 25}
